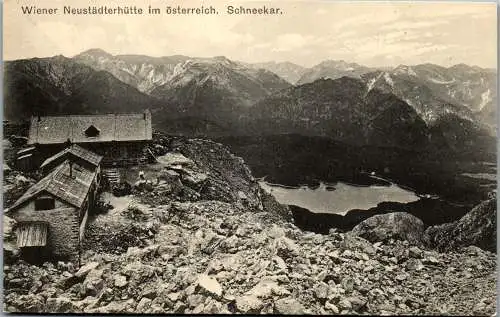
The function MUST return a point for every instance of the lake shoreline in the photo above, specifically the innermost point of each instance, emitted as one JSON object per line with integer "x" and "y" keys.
{"x": 339, "y": 197}
{"x": 430, "y": 211}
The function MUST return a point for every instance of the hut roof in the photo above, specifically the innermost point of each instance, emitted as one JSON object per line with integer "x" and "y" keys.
{"x": 107, "y": 128}
{"x": 77, "y": 151}
{"x": 71, "y": 189}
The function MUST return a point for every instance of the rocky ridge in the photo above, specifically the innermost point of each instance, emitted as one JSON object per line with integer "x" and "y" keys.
{"x": 435, "y": 91}
{"x": 478, "y": 227}
{"x": 59, "y": 85}
{"x": 143, "y": 72}
{"x": 232, "y": 249}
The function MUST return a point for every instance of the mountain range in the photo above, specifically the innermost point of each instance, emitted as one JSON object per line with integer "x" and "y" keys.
{"x": 199, "y": 95}
{"x": 434, "y": 91}
{"x": 210, "y": 96}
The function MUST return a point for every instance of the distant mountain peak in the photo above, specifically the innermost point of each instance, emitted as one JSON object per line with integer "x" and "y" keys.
{"x": 59, "y": 58}
{"x": 221, "y": 58}
{"x": 288, "y": 63}
{"x": 404, "y": 69}
{"x": 401, "y": 66}
{"x": 95, "y": 52}
{"x": 460, "y": 65}
{"x": 333, "y": 69}
{"x": 289, "y": 71}
{"x": 465, "y": 68}
{"x": 332, "y": 62}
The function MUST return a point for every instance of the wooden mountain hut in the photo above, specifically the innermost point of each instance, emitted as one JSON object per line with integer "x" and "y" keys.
{"x": 121, "y": 139}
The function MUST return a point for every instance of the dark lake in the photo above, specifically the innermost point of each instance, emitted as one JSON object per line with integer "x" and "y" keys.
{"x": 333, "y": 184}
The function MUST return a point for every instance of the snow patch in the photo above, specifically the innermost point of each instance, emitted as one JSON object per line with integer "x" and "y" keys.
{"x": 442, "y": 82}
{"x": 128, "y": 71}
{"x": 405, "y": 70}
{"x": 409, "y": 102}
{"x": 411, "y": 72}
{"x": 485, "y": 99}
{"x": 388, "y": 79}
{"x": 372, "y": 82}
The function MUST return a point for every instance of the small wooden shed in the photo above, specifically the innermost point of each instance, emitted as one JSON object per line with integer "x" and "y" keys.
{"x": 53, "y": 213}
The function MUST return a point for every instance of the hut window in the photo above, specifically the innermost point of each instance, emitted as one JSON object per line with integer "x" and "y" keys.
{"x": 44, "y": 203}
{"x": 92, "y": 131}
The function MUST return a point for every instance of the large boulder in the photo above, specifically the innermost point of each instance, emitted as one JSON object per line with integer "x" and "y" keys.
{"x": 193, "y": 179}
{"x": 395, "y": 225}
{"x": 210, "y": 285}
{"x": 170, "y": 176}
{"x": 85, "y": 270}
{"x": 10, "y": 249}
{"x": 9, "y": 233}
{"x": 175, "y": 160}
{"x": 477, "y": 228}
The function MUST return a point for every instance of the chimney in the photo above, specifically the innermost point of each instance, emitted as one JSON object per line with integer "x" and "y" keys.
{"x": 147, "y": 114}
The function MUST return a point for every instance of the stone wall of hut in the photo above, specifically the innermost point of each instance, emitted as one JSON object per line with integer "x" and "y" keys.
{"x": 63, "y": 236}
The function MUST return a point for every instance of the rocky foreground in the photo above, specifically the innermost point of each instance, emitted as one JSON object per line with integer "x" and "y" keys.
{"x": 199, "y": 236}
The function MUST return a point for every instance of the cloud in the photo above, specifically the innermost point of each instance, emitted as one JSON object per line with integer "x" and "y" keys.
{"x": 410, "y": 25}
{"x": 291, "y": 41}
{"x": 321, "y": 11}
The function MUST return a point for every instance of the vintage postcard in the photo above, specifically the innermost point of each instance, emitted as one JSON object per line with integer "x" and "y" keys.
{"x": 249, "y": 157}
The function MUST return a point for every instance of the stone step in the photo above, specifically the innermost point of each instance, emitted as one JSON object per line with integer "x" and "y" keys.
{"x": 112, "y": 175}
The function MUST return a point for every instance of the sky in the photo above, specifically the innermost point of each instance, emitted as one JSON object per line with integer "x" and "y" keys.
{"x": 308, "y": 32}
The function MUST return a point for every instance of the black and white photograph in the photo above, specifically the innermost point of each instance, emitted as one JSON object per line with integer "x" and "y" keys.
{"x": 252, "y": 157}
